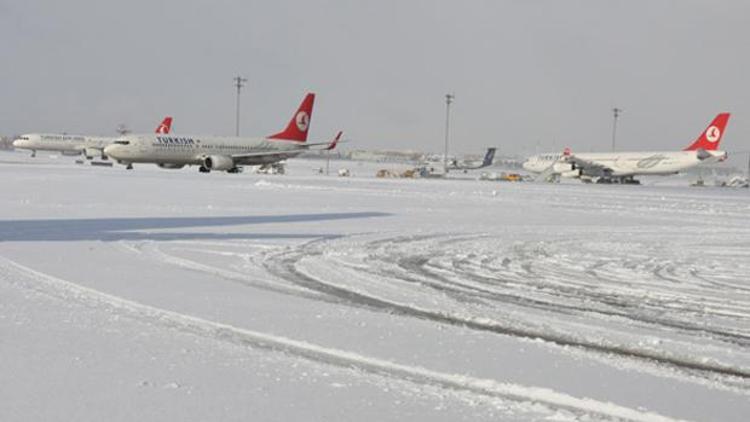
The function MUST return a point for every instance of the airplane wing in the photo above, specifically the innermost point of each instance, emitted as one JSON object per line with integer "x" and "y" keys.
{"x": 548, "y": 175}
{"x": 572, "y": 166}
{"x": 270, "y": 155}
{"x": 329, "y": 145}
{"x": 587, "y": 167}
{"x": 278, "y": 155}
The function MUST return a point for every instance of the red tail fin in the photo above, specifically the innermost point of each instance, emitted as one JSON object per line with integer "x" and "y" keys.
{"x": 165, "y": 126}
{"x": 710, "y": 138}
{"x": 297, "y": 128}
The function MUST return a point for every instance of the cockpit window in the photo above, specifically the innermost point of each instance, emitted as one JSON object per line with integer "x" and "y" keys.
{"x": 122, "y": 142}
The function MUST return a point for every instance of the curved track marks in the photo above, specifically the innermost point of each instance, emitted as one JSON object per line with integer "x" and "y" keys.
{"x": 469, "y": 292}
{"x": 594, "y": 295}
{"x": 28, "y": 278}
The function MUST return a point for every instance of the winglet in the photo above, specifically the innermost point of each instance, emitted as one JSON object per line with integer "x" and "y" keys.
{"x": 165, "y": 126}
{"x": 299, "y": 125}
{"x": 711, "y": 137}
{"x": 334, "y": 142}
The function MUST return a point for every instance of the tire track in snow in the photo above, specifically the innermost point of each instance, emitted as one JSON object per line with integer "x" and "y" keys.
{"x": 25, "y": 277}
{"x": 284, "y": 265}
{"x": 420, "y": 265}
{"x": 617, "y": 309}
{"x": 314, "y": 292}
{"x": 153, "y": 251}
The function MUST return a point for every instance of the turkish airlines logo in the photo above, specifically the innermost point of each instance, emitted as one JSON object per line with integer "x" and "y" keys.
{"x": 303, "y": 121}
{"x": 713, "y": 134}
{"x": 162, "y": 129}
{"x": 650, "y": 162}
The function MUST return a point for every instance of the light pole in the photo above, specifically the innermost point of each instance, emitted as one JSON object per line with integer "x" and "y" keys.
{"x": 239, "y": 82}
{"x": 448, "y": 100}
{"x": 616, "y": 112}
{"x": 328, "y": 161}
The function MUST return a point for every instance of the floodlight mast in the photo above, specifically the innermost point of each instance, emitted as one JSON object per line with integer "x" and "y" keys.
{"x": 448, "y": 101}
{"x": 239, "y": 82}
{"x": 616, "y": 115}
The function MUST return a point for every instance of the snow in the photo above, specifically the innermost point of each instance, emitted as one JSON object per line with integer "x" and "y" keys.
{"x": 154, "y": 294}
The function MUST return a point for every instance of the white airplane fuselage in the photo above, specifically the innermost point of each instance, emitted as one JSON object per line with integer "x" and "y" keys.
{"x": 221, "y": 153}
{"x": 624, "y": 164}
{"x": 67, "y": 144}
{"x": 178, "y": 151}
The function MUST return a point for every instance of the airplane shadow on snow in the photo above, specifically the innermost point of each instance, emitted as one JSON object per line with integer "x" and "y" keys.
{"x": 145, "y": 228}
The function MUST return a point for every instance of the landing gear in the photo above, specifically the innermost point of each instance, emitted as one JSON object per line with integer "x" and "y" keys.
{"x": 235, "y": 170}
{"x": 33, "y": 153}
{"x": 204, "y": 169}
{"x": 271, "y": 168}
{"x": 129, "y": 166}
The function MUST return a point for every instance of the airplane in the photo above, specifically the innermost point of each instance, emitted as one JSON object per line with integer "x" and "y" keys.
{"x": 622, "y": 167}
{"x": 220, "y": 153}
{"x": 467, "y": 165}
{"x": 74, "y": 144}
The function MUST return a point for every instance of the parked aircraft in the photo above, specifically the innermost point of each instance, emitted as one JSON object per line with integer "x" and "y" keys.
{"x": 220, "y": 153}
{"x": 468, "y": 165}
{"x": 66, "y": 144}
{"x": 622, "y": 167}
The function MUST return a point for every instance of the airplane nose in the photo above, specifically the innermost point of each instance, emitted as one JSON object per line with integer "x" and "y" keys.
{"x": 114, "y": 151}
{"x": 111, "y": 151}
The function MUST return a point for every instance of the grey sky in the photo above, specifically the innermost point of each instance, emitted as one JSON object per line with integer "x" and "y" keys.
{"x": 525, "y": 73}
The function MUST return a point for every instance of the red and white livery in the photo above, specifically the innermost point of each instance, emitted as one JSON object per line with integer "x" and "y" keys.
{"x": 221, "y": 153}
{"x": 89, "y": 146}
{"x": 622, "y": 167}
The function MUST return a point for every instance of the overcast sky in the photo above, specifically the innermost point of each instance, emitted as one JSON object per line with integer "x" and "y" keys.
{"x": 526, "y": 74}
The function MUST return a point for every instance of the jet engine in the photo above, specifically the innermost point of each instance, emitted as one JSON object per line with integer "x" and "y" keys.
{"x": 218, "y": 162}
{"x": 92, "y": 152}
{"x": 563, "y": 167}
{"x": 571, "y": 174}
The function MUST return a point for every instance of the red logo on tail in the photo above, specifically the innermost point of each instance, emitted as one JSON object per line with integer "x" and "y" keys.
{"x": 710, "y": 138}
{"x": 298, "y": 127}
{"x": 165, "y": 126}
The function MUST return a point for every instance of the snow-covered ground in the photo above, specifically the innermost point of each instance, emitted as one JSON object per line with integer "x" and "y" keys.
{"x": 172, "y": 295}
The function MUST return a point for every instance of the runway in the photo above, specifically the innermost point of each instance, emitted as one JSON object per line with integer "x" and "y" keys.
{"x": 306, "y": 296}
